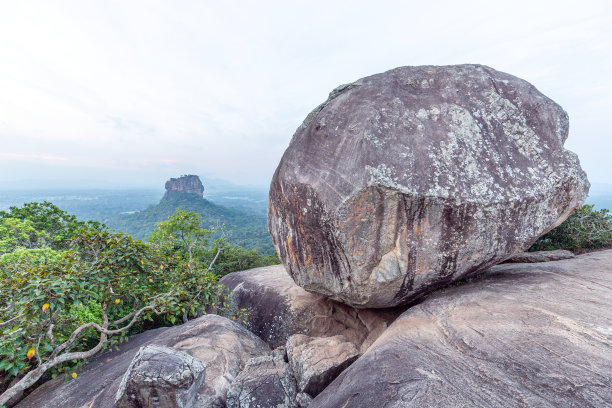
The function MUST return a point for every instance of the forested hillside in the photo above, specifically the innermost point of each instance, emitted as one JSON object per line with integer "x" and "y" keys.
{"x": 246, "y": 229}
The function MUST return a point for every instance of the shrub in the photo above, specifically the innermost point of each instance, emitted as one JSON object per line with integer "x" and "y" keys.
{"x": 585, "y": 229}
{"x": 235, "y": 258}
{"x": 61, "y": 306}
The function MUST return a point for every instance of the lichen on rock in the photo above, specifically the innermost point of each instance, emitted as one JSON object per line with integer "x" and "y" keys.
{"x": 405, "y": 181}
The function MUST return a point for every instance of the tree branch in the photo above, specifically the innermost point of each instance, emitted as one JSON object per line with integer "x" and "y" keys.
{"x": 219, "y": 249}
{"x": 6, "y": 336}
{"x": 2, "y": 324}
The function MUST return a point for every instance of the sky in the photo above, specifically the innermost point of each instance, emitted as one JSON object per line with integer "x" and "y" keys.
{"x": 131, "y": 93}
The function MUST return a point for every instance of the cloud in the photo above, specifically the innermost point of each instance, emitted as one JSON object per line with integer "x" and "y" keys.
{"x": 151, "y": 88}
{"x": 35, "y": 157}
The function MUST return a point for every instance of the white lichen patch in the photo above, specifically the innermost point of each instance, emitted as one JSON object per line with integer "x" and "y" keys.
{"x": 384, "y": 176}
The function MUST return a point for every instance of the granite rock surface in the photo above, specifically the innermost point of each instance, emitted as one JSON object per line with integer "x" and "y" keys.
{"x": 405, "y": 181}
{"x": 278, "y": 308}
{"x": 525, "y": 335}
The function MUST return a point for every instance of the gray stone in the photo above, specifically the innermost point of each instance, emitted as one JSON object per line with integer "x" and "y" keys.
{"x": 317, "y": 361}
{"x": 225, "y": 347}
{"x": 265, "y": 381}
{"x": 303, "y": 400}
{"x": 161, "y": 377}
{"x": 525, "y": 335}
{"x": 279, "y": 308}
{"x": 219, "y": 343}
{"x": 405, "y": 181}
{"x": 540, "y": 256}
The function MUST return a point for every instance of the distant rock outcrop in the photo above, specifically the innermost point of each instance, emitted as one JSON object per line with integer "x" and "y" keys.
{"x": 189, "y": 183}
{"x": 405, "y": 181}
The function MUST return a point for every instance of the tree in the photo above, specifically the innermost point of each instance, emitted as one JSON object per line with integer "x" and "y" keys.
{"x": 47, "y": 218}
{"x": 60, "y": 306}
{"x": 110, "y": 275}
{"x": 183, "y": 237}
{"x": 182, "y": 233}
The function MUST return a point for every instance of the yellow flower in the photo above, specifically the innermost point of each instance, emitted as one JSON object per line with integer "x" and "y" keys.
{"x": 150, "y": 280}
{"x": 161, "y": 266}
{"x": 74, "y": 375}
{"x": 117, "y": 300}
{"x": 142, "y": 262}
{"x": 233, "y": 317}
{"x": 45, "y": 307}
{"x": 31, "y": 353}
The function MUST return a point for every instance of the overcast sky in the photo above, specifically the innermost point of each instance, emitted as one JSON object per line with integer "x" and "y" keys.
{"x": 134, "y": 92}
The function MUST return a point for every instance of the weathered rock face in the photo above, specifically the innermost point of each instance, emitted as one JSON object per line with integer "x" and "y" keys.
{"x": 161, "y": 377}
{"x": 527, "y": 335}
{"x": 316, "y": 361}
{"x": 185, "y": 184}
{"x": 404, "y": 181}
{"x": 224, "y": 347}
{"x": 279, "y": 308}
{"x": 266, "y": 381}
{"x": 221, "y": 345}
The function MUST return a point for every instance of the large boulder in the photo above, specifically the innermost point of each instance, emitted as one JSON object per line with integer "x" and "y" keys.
{"x": 526, "y": 335}
{"x": 220, "y": 344}
{"x": 405, "y": 181}
{"x": 278, "y": 308}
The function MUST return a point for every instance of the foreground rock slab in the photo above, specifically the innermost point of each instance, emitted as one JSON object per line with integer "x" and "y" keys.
{"x": 526, "y": 335}
{"x": 161, "y": 376}
{"x": 278, "y": 308}
{"x": 540, "y": 256}
{"x": 405, "y": 181}
{"x": 317, "y": 361}
{"x": 265, "y": 381}
{"x": 221, "y": 345}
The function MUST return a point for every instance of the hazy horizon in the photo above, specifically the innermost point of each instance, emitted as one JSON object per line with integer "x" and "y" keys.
{"x": 132, "y": 93}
